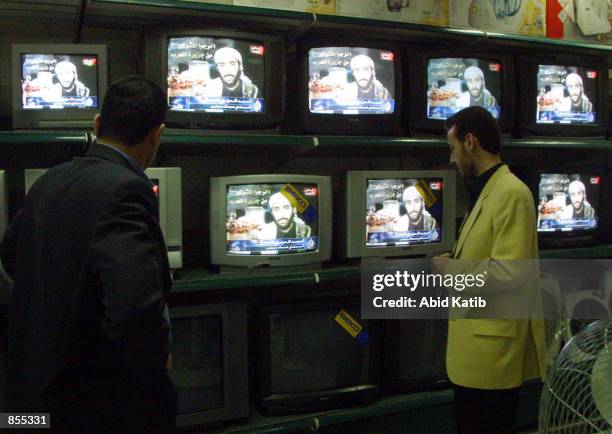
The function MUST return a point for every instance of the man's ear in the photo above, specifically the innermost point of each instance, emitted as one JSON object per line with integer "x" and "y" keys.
{"x": 96, "y": 124}
{"x": 471, "y": 142}
{"x": 156, "y": 133}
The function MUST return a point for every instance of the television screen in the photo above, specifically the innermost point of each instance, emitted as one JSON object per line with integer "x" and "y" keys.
{"x": 566, "y": 95}
{"x": 568, "y": 202}
{"x": 403, "y": 211}
{"x": 310, "y": 352}
{"x": 351, "y": 80}
{"x": 215, "y": 75}
{"x": 59, "y": 81}
{"x": 272, "y": 219}
{"x": 456, "y": 83}
{"x": 198, "y": 363}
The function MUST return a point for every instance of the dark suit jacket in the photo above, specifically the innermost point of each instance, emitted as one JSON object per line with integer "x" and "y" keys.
{"x": 91, "y": 275}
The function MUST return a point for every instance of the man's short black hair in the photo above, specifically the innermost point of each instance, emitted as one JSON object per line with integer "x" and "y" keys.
{"x": 132, "y": 106}
{"x": 480, "y": 123}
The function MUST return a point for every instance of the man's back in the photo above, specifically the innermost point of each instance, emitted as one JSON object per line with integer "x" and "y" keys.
{"x": 70, "y": 250}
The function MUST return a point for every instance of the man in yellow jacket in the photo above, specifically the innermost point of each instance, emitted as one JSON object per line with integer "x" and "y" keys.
{"x": 490, "y": 353}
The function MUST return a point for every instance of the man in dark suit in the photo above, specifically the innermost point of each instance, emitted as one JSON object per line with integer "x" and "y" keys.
{"x": 89, "y": 333}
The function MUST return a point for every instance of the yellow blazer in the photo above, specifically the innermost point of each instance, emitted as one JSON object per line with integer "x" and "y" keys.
{"x": 497, "y": 353}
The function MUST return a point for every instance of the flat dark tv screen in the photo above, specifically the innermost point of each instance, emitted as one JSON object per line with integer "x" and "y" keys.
{"x": 456, "y": 83}
{"x": 272, "y": 219}
{"x": 198, "y": 363}
{"x": 311, "y": 352}
{"x": 566, "y": 95}
{"x": 216, "y": 75}
{"x": 568, "y": 202}
{"x": 403, "y": 212}
{"x": 351, "y": 80}
{"x": 59, "y": 81}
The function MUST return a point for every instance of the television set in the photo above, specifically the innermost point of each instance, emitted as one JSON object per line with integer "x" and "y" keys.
{"x": 274, "y": 220}
{"x": 57, "y": 85}
{"x": 399, "y": 213}
{"x": 218, "y": 79}
{"x": 210, "y": 362}
{"x": 350, "y": 86}
{"x": 444, "y": 82}
{"x": 4, "y": 215}
{"x": 570, "y": 209}
{"x": 167, "y": 187}
{"x": 415, "y": 354}
{"x": 308, "y": 361}
{"x": 562, "y": 96}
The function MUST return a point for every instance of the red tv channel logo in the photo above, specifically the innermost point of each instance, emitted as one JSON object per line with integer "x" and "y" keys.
{"x": 595, "y": 180}
{"x": 310, "y": 191}
{"x": 387, "y": 55}
{"x": 257, "y": 49}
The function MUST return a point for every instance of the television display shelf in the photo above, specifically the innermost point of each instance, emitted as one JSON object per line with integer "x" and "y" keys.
{"x": 301, "y": 20}
{"x": 43, "y": 136}
{"x": 196, "y": 280}
{"x": 205, "y": 138}
{"x": 260, "y": 424}
{"x": 203, "y": 279}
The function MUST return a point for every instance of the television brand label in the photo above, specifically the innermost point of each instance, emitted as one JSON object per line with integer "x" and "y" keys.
{"x": 386, "y": 55}
{"x": 348, "y": 323}
{"x": 295, "y": 197}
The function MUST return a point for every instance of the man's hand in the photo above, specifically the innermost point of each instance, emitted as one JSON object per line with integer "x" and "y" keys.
{"x": 438, "y": 263}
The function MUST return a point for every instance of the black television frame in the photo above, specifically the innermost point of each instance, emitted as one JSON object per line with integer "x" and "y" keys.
{"x": 279, "y": 404}
{"x": 416, "y": 99}
{"x": 527, "y": 98}
{"x": 583, "y": 238}
{"x": 393, "y": 380}
{"x": 358, "y": 124}
{"x": 156, "y": 68}
{"x": 235, "y": 361}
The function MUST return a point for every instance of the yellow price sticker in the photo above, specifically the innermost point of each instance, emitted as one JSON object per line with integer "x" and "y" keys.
{"x": 428, "y": 196}
{"x": 348, "y": 323}
{"x": 295, "y": 197}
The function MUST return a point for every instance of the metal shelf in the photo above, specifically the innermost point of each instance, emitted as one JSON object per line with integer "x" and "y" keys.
{"x": 49, "y": 137}
{"x": 204, "y": 280}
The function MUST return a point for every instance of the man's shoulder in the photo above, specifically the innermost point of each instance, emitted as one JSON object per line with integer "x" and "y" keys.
{"x": 510, "y": 185}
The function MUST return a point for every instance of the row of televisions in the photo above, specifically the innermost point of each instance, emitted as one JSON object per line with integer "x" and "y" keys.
{"x": 298, "y": 357}
{"x": 285, "y": 220}
{"x": 236, "y": 80}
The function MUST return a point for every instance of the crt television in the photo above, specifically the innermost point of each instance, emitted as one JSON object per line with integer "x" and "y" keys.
{"x": 445, "y": 82}
{"x": 415, "y": 354}
{"x": 167, "y": 187}
{"x": 210, "y": 366}
{"x": 307, "y": 360}
{"x": 57, "y": 85}
{"x": 350, "y": 87}
{"x": 400, "y": 213}
{"x": 4, "y": 215}
{"x": 563, "y": 96}
{"x": 221, "y": 79}
{"x": 569, "y": 205}
{"x": 270, "y": 220}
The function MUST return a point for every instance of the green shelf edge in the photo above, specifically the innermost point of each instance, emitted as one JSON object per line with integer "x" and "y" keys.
{"x": 338, "y": 19}
{"x": 386, "y": 405}
{"x": 213, "y": 281}
{"x": 10, "y": 137}
{"x": 202, "y": 138}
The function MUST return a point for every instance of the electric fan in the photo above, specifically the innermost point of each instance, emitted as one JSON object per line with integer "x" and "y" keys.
{"x": 577, "y": 396}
